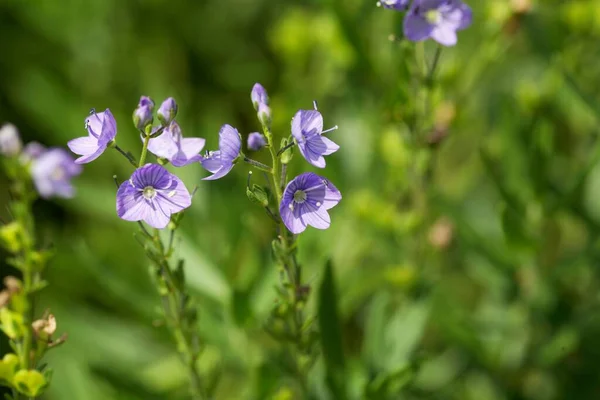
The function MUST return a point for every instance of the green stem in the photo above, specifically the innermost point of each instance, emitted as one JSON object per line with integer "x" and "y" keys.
{"x": 127, "y": 156}
{"x": 144, "y": 150}
{"x": 257, "y": 165}
{"x": 183, "y": 332}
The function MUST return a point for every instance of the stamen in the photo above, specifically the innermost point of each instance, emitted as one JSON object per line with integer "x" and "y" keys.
{"x": 299, "y": 196}
{"x": 318, "y": 204}
{"x": 171, "y": 193}
{"x": 149, "y": 192}
{"x": 92, "y": 111}
{"x": 315, "y": 105}
{"x": 330, "y": 130}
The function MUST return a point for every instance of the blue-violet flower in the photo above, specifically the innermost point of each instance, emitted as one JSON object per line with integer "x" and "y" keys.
{"x": 306, "y": 200}
{"x": 259, "y": 96}
{"x": 167, "y": 111}
{"x": 256, "y": 141}
{"x": 174, "y": 147}
{"x": 142, "y": 115}
{"x": 220, "y": 162}
{"x": 151, "y": 195}
{"x": 437, "y": 19}
{"x": 307, "y": 129}
{"x": 102, "y": 129}
{"x": 52, "y": 171}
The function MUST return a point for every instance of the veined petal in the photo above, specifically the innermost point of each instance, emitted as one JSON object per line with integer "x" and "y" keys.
{"x": 131, "y": 205}
{"x": 83, "y": 145}
{"x": 109, "y": 127}
{"x": 212, "y": 162}
{"x": 295, "y": 225}
{"x": 156, "y": 217}
{"x": 90, "y": 157}
{"x": 330, "y": 146}
{"x": 317, "y": 218}
{"x": 332, "y": 196}
{"x": 174, "y": 199}
{"x": 152, "y": 175}
{"x": 221, "y": 172}
{"x": 311, "y": 156}
{"x": 307, "y": 123}
{"x": 230, "y": 143}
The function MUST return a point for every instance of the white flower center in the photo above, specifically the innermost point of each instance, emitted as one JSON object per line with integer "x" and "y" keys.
{"x": 299, "y": 196}
{"x": 433, "y": 16}
{"x": 58, "y": 174}
{"x": 149, "y": 192}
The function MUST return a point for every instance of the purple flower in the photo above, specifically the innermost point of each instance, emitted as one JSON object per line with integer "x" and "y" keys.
{"x": 174, "y": 147}
{"x": 52, "y": 171}
{"x": 264, "y": 115}
{"x": 142, "y": 115}
{"x": 102, "y": 129}
{"x": 259, "y": 96}
{"x": 307, "y": 129}
{"x": 31, "y": 151}
{"x": 399, "y": 5}
{"x": 220, "y": 162}
{"x": 151, "y": 195}
{"x": 167, "y": 111}
{"x": 306, "y": 200}
{"x": 10, "y": 141}
{"x": 256, "y": 141}
{"x": 436, "y": 19}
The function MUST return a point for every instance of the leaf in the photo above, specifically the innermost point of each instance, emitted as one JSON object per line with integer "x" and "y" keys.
{"x": 331, "y": 334}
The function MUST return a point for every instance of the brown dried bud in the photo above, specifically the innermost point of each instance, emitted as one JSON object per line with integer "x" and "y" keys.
{"x": 12, "y": 284}
{"x": 44, "y": 327}
{"x": 441, "y": 233}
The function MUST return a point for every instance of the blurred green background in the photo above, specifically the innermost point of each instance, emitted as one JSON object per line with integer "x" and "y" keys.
{"x": 468, "y": 269}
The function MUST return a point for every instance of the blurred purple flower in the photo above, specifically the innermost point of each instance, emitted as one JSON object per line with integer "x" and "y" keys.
{"x": 174, "y": 147}
{"x": 10, "y": 141}
{"x": 31, "y": 151}
{"x": 52, "y": 171}
{"x": 151, "y": 195}
{"x": 259, "y": 96}
{"x": 220, "y": 162}
{"x": 307, "y": 129}
{"x": 399, "y": 5}
{"x": 306, "y": 200}
{"x": 167, "y": 111}
{"x": 142, "y": 115}
{"x": 102, "y": 129}
{"x": 256, "y": 141}
{"x": 437, "y": 19}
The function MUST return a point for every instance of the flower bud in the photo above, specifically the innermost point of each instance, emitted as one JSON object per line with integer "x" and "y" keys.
{"x": 256, "y": 141}
{"x": 142, "y": 116}
{"x": 44, "y": 328}
{"x": 167, "y": 111}
{"x": 10, "y": 142}
{"x": 259, "y": 96}
{"x": 264, "y": 115}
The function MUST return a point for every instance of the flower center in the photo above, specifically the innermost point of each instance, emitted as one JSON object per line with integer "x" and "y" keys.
{"x": 58, "y": 174}
{"x": 433, "y": 16}
{"x": 149, "y": 192}
{"x": 299, "y": 196}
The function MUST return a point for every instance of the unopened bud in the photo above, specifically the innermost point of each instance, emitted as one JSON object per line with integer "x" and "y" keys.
{"x": 167, "y": 111}
{"x": 44, "y": 328}
{"x": 142, "y": 115}
{"x": 264, "y": 115}
{"x": 10, "y": 141}
{"x": 256, "y": 141}
{"x": 259, "y": 96}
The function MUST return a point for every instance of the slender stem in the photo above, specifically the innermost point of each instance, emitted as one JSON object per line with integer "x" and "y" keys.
{"x": 144, "y": 150}
{"x": 128, "y": 156}
{"x": 289, "y": 145}
{"x": 434, "y": 64}
{"x": 257, "y": 164}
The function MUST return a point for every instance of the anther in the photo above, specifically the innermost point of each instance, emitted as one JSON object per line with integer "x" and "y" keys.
{"x": 315, "y": 105}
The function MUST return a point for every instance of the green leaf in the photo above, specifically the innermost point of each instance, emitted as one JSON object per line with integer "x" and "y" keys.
{"x": 331, "y": 334}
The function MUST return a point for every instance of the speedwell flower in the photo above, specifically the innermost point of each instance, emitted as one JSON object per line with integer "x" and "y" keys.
{"x": 221, "y": 161}
{"x": 102, "y": 129}
{"x": 174, "y": 147}
{"x": 307, "y": 129}
{"x": 437, "y": 19}
{"x": 306, "y": 200}
{"x": 52, "y": 171}
{"x": 399, "y": 5}
{"x": 142, "y": 115}
{"x": 151, "y": 195}
{"x": 167, "y": 111}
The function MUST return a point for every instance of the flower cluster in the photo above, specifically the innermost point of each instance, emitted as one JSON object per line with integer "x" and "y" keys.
{"x": 435, "y": 19}
{"x": 50, "y": 169}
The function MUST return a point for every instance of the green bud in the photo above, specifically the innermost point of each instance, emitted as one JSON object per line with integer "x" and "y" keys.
{"x": 287, "y": 155}
{"x": 11, "y": 237}
{"x": 11, "y": 323}
{"x": 258, "y": 195}
{"x": 30, "y": 382}
{"x": 8, "y": 367}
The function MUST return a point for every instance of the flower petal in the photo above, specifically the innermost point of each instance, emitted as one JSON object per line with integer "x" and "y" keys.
{"x": 416, "y": 28}
{"x": 109, "y": 127}
{"x": 311, "y": 156}
{"x": 90, "y": 157}
{"x": 212, "y": 162}
{"x": 332, "y": 196}
{"x": 224, "y": 170}
{"x": 83, "y": 146}
{"x": 163, "y": 145}
{"x": 444, "y": 35}
{"x": 131, "y": 205}
{"x": 316, "y": 217}
{"x": 307, "y": 123}
{"x": 152, "y": 175}
{"x": 230, "y": 143}
{"x": 174, "y": 199}
{"x": 156, "y": 216}
{"x": 192, "y": 146}
{"x": 295, "y": 225}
